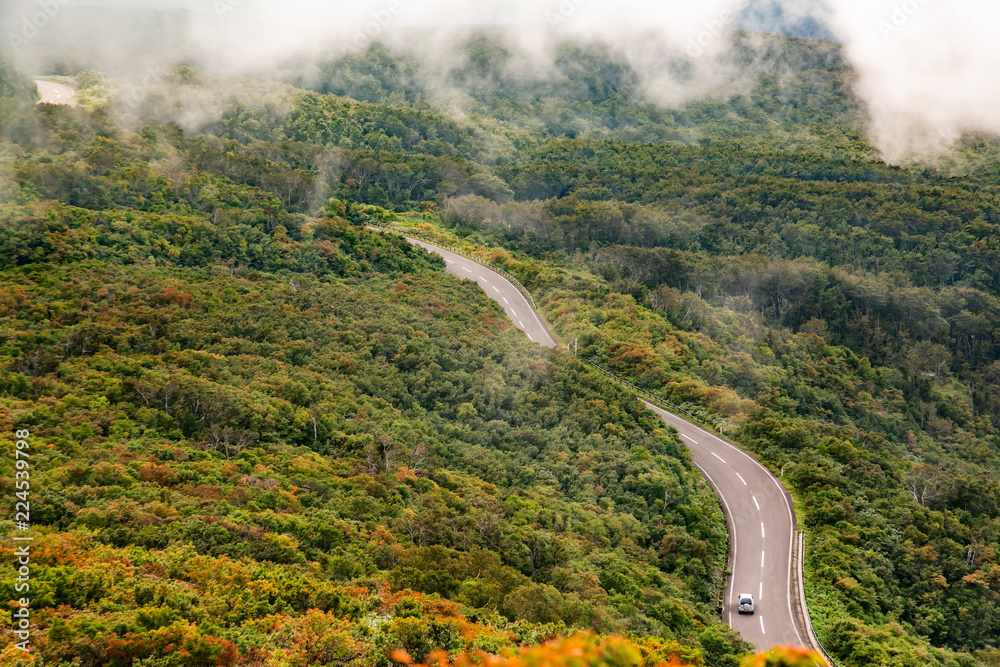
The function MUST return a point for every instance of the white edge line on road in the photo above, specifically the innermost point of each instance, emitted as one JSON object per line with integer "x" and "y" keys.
{"x": 535, "y": 315}
{"x": 781, "y": 489}
{"x": 719, "y": 457}
{"x": 741, "y": 479}
{"x": 732, "y": 538}
{"x": 784, "y": 495}
{"x": 791, "y": 551}
{"x": 777, "y": 483}
{"x": 433, "y": 248}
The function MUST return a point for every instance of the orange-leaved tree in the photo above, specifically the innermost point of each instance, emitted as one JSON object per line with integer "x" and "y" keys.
{"x": 785, "y": 656}
{"x": 583, "y": 650}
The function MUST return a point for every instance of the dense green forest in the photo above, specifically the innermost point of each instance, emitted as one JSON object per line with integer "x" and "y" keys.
{"x": 230, "y": 376}
{"x": 750, "y": 256}
{"x": 267, "y": 437}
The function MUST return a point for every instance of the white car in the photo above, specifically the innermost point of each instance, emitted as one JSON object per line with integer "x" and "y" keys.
{"x": 745, "y": 605}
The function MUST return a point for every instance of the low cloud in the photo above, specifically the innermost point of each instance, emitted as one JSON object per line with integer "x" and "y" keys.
{"x": 248, "y": 34}
{"x": 926, "y": 69}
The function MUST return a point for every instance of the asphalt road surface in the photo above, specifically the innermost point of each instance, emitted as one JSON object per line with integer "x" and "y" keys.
{"x": 758, "y": 510}
{"x": 54, "y": 93}
{"x": 515, "y": 304}
{"x": 761, "y": 529}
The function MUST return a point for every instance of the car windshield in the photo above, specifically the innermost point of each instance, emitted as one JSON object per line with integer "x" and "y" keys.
{"x": 746, "y": 599}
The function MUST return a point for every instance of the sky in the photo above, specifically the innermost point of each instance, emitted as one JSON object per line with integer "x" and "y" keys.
{"x": 926, "y": 68}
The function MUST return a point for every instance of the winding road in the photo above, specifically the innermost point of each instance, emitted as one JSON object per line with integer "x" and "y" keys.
{"x": 54, "y": 93}
{"x": 761, "y": 529}
{"x": 759, "y": 512}
{"x": 515, "y": 304}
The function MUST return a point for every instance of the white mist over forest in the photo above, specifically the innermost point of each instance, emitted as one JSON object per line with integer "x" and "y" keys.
{"x": 925, "y": 68}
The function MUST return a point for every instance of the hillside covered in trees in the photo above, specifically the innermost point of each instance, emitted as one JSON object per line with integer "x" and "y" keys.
{"x": 266, "y": 437}
{"x": 296, "y": 442}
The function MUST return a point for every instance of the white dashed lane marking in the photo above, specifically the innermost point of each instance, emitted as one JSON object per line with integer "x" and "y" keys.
{"x": 777, "y": 561}
{"x": 741, "y": 479}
